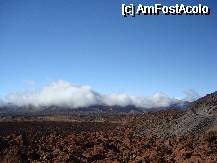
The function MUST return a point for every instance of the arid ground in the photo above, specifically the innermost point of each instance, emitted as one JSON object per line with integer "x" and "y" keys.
{"x": 169, "y": 135}
{"x": 116, "y": 138}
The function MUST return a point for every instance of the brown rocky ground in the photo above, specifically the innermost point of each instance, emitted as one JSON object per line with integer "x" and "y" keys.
{"x": 166, "y": 136}
{"x": 99, "y": 142}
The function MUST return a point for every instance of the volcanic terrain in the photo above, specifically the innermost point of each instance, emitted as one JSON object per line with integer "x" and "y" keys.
{"x": 169, "y": 135}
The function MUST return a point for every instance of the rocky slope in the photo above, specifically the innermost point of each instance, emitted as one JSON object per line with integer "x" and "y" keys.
{"x": 198, "y": 118}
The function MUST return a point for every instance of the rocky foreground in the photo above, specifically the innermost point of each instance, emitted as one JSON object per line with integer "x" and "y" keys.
{"x": 165, "y": 136}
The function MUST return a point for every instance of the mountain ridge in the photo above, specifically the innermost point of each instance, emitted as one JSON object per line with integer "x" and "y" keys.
{"x": 11, "y": 108}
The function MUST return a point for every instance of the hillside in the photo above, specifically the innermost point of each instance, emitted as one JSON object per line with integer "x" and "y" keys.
{"x": 198, "y": 118}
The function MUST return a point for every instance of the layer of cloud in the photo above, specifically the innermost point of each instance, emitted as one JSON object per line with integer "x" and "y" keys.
{"x": 62, "y": 93}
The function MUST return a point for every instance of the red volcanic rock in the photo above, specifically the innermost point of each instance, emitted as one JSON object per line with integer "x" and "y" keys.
{"x": 103, "y": 141}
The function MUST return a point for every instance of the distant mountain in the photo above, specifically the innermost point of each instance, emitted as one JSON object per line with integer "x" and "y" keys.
{"x": 10, "y": 108}
{"x": 181, "y": 105}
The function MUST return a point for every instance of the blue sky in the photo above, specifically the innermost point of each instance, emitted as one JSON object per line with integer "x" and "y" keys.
{"x": 89, "y": 42}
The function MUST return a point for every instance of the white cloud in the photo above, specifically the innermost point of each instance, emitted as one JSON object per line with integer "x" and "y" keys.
{"x": 58, "y": 93}
{"x": 157, "y": 100}
{"x": 62, "y": 93}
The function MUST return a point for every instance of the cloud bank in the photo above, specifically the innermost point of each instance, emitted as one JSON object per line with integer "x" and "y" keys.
{"x": 62, "y": 93}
